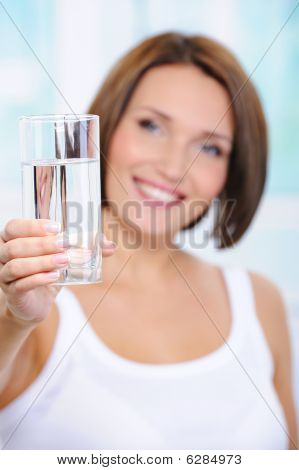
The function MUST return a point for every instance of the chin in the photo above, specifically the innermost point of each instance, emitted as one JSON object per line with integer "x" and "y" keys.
{"x": 155, "y": 222}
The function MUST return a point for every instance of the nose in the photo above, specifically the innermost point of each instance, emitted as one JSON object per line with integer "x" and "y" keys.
{"x": 172, "y": 162}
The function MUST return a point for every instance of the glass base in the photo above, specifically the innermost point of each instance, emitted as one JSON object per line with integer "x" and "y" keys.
{"x": 79, "y": 275}
{"x": 75, "y": 283}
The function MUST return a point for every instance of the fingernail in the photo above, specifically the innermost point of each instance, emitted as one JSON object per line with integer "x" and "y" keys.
{"x": 108, "y": 243}
{"x": 61, "y": 241}
{"x": 61, "y": 259}
{"x": 53, "y": 275}
{"x": 52, "y": 227}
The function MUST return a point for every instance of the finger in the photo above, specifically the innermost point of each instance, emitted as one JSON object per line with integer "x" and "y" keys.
{"x": 19, "y": 228}
{"x": 23, "y": 267}
{"x": 31, "y": 282}
{"x": 108, "y": 252}
{"x": 31, "y": 246}
{"x": 108, "y": 248}
{"x": 107, "y": 244}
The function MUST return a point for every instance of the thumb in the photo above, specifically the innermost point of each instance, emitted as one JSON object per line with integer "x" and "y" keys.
{"x": 107, "y": 244}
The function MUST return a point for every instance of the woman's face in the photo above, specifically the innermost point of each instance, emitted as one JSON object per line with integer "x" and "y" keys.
{"x": 166, "y": 141}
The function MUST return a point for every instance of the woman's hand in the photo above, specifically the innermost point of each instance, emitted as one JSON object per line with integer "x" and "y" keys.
{"x": 31, "y": 252}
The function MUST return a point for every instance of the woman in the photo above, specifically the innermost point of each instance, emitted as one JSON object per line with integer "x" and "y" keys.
{"x": 178, "y": 353}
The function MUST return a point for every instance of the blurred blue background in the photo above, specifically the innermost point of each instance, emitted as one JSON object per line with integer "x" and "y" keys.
{"x": 54, "y": 55}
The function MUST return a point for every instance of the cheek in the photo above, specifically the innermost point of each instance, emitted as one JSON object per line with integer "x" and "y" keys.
{"x": 209, "y": 181}
{"x": 125, "y": 148}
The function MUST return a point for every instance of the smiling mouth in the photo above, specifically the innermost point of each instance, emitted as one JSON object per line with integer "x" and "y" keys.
{"x": 156, "y": 194}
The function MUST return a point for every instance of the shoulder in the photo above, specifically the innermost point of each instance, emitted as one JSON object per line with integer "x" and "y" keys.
{"x": 271, "y": 311}
{"x": 266, "y": 290}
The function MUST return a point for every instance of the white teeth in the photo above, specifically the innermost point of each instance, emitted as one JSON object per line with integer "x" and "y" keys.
{"x": 156, "y": 193}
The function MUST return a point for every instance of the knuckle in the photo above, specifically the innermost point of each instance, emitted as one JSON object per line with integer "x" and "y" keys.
{"x": 43, "y": 244}
{"x": 9, "y": 226}
{"x": 37, "y": 227}
{"x": 10, "y": 250}
{"x": 18, "y": 287}
{"x": 13, "y": 268}
{"x": 47, "y": 262}
{"x": 10, "y": 290}
{"x": 32, "y": 226}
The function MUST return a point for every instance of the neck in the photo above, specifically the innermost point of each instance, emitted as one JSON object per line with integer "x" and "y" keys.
{"x": 147, "y": 254}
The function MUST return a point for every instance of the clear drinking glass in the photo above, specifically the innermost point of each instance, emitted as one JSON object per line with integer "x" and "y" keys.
{"x": 61, "y": 181}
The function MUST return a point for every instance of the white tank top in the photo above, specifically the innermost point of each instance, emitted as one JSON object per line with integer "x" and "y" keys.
{"x": 88, "y": 397}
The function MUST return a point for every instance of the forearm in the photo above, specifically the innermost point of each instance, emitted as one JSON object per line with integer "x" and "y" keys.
{"x": 13, "y": 334}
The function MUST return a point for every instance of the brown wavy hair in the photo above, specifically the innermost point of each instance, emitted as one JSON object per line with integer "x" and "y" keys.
{"x": 245, "y": 182}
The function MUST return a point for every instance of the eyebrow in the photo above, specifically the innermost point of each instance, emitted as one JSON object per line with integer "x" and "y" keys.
{"x": 166, "y": 117}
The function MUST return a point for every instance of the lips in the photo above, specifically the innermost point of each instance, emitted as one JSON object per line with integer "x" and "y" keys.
{"x": 174, "y": 192}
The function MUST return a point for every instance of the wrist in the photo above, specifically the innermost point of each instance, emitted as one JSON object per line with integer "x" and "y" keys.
{"x": 15, "y": 322}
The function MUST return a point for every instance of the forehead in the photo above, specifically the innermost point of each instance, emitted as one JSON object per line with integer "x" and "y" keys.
{"x": 187, "y": 94}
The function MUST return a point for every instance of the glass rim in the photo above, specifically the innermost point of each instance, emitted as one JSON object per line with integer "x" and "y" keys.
{"x": 47, "y": 118}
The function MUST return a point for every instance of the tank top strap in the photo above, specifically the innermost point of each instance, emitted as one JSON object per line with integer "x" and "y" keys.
{"x": 243, "y": 302}
{"x": 240, "y": 291}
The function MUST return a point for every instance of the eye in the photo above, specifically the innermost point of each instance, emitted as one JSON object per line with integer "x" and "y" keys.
{"x": 211, "y": 149}
{"x": 149, "y": 125}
